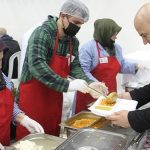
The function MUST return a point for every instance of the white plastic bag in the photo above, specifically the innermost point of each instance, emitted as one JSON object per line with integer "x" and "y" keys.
{"x": 141, "y": 78}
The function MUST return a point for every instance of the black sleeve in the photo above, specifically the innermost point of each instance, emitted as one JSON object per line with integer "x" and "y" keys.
{"x": 139, "y": 119}
{"x": 142, "y": 95}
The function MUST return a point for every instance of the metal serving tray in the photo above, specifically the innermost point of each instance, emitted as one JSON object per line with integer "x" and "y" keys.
{"x": 128, "y": 132}
{"x": 94, "y": 139}
{"x": 49, "y": 142}
{"x": 83, "y": 115}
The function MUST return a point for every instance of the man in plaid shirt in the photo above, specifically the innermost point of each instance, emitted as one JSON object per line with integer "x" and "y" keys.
{"x": 52, "y": 55}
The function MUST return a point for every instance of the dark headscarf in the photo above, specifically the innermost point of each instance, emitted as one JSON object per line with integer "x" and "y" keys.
{"x": 104, "y": 29}
{"x": 2, "y": 80}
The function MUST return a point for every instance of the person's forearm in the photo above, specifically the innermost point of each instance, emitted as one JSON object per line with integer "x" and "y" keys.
{"x": 91, "y": 77}
{"x": 139, "y": 119}
{"x": 19, "y": 117}
{"x": 78, "y": 73}
{"x": 16, "y": 112}
{"x": 142, "y": 95}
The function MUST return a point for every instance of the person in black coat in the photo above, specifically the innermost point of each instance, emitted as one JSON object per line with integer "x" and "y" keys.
{"x": 139, "y": 120}
{"x": 12, "y": 47}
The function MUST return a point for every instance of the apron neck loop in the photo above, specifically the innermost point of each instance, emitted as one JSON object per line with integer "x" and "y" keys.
{"x": 98, "y": 50}
{"x": 56, "y": 46}
{"x": 70, "y": 49}
{"x": 56, "y": 43}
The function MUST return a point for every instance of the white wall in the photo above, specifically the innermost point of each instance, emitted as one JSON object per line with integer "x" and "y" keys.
{"x": 19, "y": 15}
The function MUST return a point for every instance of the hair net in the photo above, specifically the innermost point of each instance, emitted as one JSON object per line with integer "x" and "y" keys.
{"x": 76, "y": 9}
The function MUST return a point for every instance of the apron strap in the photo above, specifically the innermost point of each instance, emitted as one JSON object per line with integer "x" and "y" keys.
{"x": 98, "y": 50}
{"x": 56, "y": 43}
{"x": 56, "y": 46}
{"x": 70, "y": 49}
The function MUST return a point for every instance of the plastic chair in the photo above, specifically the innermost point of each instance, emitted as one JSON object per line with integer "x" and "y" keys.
{"x": 10, "y": 71}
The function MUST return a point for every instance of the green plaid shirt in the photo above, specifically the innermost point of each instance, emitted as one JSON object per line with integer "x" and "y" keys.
{"x": 39, "y": 53}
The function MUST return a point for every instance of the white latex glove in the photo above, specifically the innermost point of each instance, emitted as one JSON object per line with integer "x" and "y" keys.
{"x": 100, "y": 87}
{"x": 78, "y": 85}
{"x": 31, "y": 125}
{"x": 1, "y": 147}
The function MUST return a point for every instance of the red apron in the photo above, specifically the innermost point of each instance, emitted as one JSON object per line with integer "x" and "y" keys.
{"x": 42, "y": 103}
{"x": 6, "y": 111}
{"x": 103, "y": 72}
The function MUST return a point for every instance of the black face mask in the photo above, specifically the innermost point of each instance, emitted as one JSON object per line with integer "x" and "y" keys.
{"x": 71, "y": 30}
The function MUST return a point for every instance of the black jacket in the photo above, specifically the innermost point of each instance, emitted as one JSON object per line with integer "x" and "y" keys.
{"x": 140, "y": 119}
{"x": 12, "y": 47}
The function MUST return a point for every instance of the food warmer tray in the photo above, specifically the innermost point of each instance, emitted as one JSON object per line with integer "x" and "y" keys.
{"x": 94, "y": 139}
{"x": 102, "y": 122}
{"x": 49, "y": 142}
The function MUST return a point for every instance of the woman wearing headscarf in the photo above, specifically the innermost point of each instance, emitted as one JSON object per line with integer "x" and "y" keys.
{"x": 101, "y": 59}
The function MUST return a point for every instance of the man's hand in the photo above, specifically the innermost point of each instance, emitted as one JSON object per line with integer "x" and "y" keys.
{"x": 124, "y": 95}
{"x": 120, "y": 118}
{"x": 100, "y": 87}
{"x": 78, "y": 85}
{"x": 31, "y": 125}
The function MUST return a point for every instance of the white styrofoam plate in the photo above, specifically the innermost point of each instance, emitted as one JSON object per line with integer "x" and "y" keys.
{"x": 121, "y": 104}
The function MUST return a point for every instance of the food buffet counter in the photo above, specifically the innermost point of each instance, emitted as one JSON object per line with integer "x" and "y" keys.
{"x": 85, "y": 131}
{"x": 101, "y": 128}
